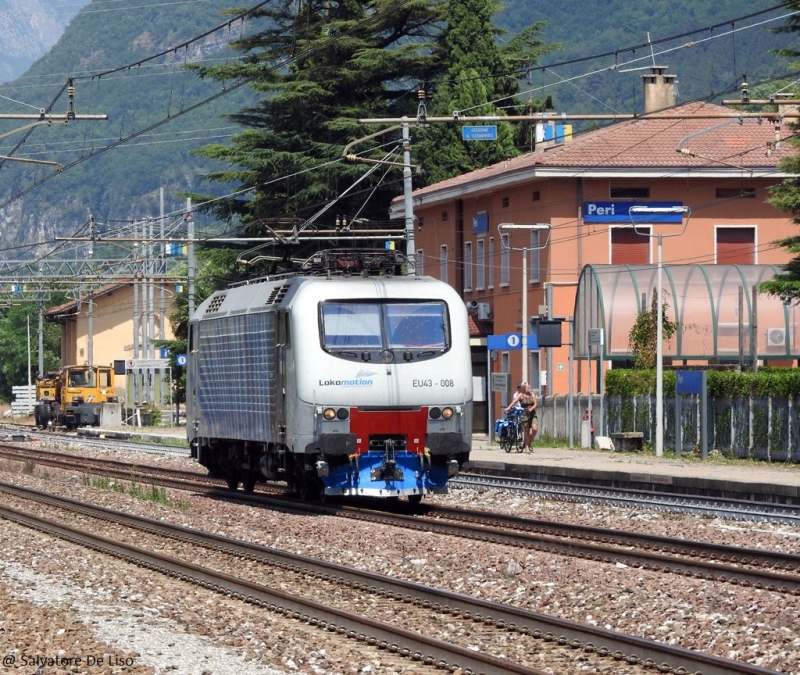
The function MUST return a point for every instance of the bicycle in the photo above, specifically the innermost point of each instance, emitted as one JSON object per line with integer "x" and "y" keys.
{"x": 511, "y": 430}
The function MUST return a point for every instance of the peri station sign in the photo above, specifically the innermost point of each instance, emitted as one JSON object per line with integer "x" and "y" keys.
{"x": 619, "y": 212}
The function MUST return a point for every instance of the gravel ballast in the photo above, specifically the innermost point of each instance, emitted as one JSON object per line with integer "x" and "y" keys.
{"x": 61, "y": 600}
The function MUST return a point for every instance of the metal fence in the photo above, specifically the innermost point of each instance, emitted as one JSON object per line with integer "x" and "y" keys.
{"x": 759, "y": 428}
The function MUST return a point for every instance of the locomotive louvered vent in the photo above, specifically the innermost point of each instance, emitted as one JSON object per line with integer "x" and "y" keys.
{"x": 216, "y": 303}
{"x": 277, "y": 294}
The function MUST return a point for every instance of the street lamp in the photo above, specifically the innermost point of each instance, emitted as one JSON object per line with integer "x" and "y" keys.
{"x": 656, "y": 211}
{"x": 524, "y": 249}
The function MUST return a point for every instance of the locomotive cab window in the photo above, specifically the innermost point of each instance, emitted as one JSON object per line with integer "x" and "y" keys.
{"x": 362, "y": 330}
{"x": 414, "y": 325}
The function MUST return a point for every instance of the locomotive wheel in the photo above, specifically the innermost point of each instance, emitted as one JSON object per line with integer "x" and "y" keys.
{"x": 249, "y": 483}
{"x": 232, "y": 479}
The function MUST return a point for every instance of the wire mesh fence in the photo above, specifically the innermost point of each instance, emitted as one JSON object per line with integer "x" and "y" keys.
{"x": 746, "y": 427}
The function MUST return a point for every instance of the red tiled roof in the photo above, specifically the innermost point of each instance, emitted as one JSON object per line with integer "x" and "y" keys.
{"x": 72, "y": 305}
{"x": 479, "y": 328}
{"x": 649, "y": 144}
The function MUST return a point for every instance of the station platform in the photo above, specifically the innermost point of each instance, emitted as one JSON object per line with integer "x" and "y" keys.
{"x": 738, "y": 479}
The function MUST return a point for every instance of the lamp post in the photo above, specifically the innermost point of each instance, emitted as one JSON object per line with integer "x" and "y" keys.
{"x": 659, "y": 210}
{"x": 524, "y": 249}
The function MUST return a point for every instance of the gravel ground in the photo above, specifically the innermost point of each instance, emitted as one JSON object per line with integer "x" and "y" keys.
{"x": 60, "y": 600}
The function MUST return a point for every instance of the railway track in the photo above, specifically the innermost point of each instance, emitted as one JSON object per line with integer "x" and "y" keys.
{"x": 729, "y": 509}
{"x": 757, "y": 568}
{"x": 437, "y": 620}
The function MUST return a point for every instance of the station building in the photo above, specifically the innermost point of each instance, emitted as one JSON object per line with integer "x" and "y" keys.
{"x": 702, "y": 173}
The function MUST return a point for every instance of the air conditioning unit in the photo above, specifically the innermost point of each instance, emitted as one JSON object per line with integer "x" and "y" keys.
{"x": 484, "y": 310}
{"x": 776, "y": 337}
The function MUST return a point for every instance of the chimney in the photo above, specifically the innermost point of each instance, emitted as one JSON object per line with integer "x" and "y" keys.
{"x": 783, "y": 107}
{"x": 659, "y": 90}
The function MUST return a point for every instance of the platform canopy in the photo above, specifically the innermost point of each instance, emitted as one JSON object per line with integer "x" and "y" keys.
{"x": 703, "y": 299}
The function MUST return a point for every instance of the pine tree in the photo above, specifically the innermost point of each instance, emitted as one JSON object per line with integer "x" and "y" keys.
{"x": 481, "y": 79}
{"x": 320, "y": 65}
{"x": 786, "y": 197}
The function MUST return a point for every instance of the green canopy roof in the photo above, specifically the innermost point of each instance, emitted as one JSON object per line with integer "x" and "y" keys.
{"x": 703, "y": 299}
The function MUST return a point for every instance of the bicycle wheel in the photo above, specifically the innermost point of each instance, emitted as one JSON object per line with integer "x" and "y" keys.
{"x": 519, "y": 441}
{"x": 506, "y": 439}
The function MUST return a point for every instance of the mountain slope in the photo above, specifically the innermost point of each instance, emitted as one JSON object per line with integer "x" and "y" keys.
{"x": 29, "y": 28}
{"x": 716, "y": 60}
{"x": 122, "y": 185}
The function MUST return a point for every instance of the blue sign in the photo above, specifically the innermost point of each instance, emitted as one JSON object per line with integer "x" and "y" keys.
{"x": 487, "y": 133}
{"x": 181, "y": 360}
{"x": 619, "y": 212}
{"x": 480, "y": 222}
{"x": 689, "y": 381}
{"x": 509, "y": 342}
{"x": 164, "y": 353}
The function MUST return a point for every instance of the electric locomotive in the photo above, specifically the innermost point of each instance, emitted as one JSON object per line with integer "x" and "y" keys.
{"x": 339, "y": 384}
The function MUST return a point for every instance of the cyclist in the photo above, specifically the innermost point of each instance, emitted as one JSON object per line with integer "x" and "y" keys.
{"x": 530, "y": 420}
{"x": 517, "y": 395}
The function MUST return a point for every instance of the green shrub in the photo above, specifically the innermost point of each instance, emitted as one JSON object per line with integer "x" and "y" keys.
{"x": 774, "y": 382}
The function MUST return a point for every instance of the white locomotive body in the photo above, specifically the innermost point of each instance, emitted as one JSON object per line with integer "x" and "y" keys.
{"x": 338, "y": 386}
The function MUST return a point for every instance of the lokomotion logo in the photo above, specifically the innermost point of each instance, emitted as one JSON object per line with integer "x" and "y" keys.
{"x": 363, "y": 378}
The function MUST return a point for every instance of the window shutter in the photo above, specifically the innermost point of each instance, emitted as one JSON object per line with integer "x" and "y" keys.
{"x": 628, "y": 247}
{"x": 736, "y": 246}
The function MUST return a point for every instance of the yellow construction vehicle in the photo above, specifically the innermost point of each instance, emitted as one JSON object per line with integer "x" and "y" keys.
{"x": 70, "y": 396}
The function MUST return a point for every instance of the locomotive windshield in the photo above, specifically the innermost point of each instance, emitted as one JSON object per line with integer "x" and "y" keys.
{"x": 418, "y": 327}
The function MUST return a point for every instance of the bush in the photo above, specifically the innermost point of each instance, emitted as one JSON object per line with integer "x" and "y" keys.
{"x": 774, "y": 382}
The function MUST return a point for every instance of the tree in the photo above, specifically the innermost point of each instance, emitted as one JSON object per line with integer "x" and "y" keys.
{"x": 642, "y": 338}
{"x": 786, "y": 197}
{"x": 319, "y": 69}
{"x": 480, "y": 80}
{"x": 14, "y": 322}
{"x": 326, "y": 64}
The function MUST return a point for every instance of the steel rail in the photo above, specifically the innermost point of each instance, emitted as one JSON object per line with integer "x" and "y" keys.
{"x": 665, "y": 658}
{"x": 761, "y": 579}
{"x": 729, "y": 509}
{"x": 714, "y": 562}
{"x": 430, "y": 651}
{"x": 723, "y": 552}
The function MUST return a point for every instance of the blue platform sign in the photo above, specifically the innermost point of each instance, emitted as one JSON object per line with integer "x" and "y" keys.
{"x": 689, "y": 381}
{"x": 484, "y": 133}
{"x": 510, "y": 342}
{"x": 181, "y": 360}
{"x": 480, "y": 222}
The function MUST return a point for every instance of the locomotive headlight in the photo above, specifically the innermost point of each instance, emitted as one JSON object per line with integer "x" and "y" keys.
{"x": 342, "y": 413}
{"x": 329, "y": 414}
{"x": 448, "y": 413}
{"x": 435, "y": 413}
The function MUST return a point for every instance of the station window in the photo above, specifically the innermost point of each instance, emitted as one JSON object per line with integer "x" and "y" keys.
{"x": 629, "y": 193}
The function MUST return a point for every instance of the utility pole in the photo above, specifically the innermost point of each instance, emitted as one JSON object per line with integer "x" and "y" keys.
{"x": 44, "y": 117}
{"x": 190, "y": 254}
{"x": 408, "y": 202}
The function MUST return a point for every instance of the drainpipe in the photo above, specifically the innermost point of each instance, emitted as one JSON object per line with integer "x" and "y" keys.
{"x": 459, "y": 256}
